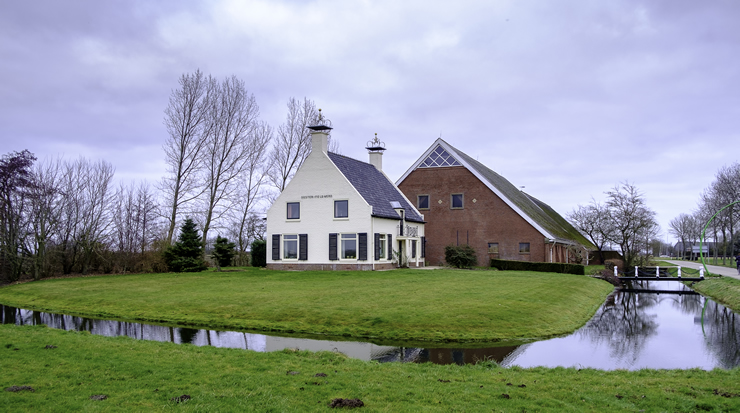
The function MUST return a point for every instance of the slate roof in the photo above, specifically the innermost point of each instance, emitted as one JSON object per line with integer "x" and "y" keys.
{"x": 537, "y": 211}
{"x": 375, "y": 188}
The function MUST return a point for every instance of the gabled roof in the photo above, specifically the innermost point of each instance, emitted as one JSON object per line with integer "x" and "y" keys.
{"x": 540, "y": 215}
{"x": 375, "y": 188}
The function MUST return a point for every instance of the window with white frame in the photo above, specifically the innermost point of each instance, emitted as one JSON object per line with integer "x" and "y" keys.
{"x": 341, "y": 209}
{"x": 381, "y": 246}
{"x": 348, "y": 246}
{"x": 294, "y": 210}
{"x": 290, "y": 247}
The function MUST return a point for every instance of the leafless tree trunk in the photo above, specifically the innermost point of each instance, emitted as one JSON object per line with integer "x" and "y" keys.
{"x": 293, "y": 142}
{"x": 727, "y": 188}
{"x": 185, "y": 118}
{"x": 231, "y": 122}
{"x": 592, "y": 220}
{"x": 86, "y": 211}
{"x": 250, "y": 188}
{"x": 634, "y": 223}
{"x": 134, "y": 216}
{"x": 44, "y": 214}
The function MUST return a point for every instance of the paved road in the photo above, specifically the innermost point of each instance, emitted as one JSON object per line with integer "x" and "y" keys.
{"x": 727, "y": 272}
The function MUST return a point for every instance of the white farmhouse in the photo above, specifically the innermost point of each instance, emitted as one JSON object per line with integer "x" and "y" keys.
{"x": 342, "y": 214}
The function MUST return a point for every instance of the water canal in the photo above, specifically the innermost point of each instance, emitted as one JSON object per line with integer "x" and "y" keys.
{"x": 676, "y": 328}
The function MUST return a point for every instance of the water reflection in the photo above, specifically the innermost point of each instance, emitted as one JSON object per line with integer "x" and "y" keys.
{"x": 631, "y": 330}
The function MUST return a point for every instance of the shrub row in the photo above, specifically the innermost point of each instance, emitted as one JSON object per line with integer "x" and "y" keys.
{"x": 506, "y": 265}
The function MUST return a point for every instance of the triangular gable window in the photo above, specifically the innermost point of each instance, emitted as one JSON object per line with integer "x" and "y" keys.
{"x": 438, "y": 158}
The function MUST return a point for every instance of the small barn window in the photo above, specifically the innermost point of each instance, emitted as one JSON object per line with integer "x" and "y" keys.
{"x": 294, "y": 210}
{"x": 422, "y": 201}
{"x": 524, "y": 248}
{"x": 493, "y": 247}
{"x": 341, "y": 209}
{"x": 457, "y": 201}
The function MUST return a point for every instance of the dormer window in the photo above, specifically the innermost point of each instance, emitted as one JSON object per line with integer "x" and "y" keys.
{"x": 294, "y": 210}
{"x": 341, "y": 209}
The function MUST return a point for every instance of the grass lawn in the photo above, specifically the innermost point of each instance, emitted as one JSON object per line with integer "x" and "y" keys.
{"x": 146, "y": 376}
{"x": 403, "y": 305}
{"x": 724, "y": 290}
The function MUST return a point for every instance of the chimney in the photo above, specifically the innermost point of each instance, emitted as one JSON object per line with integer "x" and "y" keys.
{"x": 375, "y": 149}
{"x": 320, "y": 134}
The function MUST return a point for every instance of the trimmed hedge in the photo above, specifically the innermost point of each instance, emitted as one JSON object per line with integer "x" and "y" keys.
{"x": 506, "y": 265}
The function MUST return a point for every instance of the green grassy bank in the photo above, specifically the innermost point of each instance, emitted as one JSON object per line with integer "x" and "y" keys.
{"x": 146, "y": 376}
{"x": 386, "y": 306}
{"x": 724, "y": 290}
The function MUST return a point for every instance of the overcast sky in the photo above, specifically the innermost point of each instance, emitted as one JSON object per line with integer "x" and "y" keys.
{"x": 566, "y": 98}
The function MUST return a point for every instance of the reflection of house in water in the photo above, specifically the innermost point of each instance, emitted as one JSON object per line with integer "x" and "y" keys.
{"x": 362, "y": 351}
{"x": 466, "y": 355}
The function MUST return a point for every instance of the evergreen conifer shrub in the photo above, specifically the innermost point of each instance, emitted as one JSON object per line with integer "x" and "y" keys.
{"x": 186, "y": 255}
{"x": 259, "y": 253}
{"x": 223, "y": 251}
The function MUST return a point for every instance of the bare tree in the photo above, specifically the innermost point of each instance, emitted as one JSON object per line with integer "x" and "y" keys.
{"x": 250, "y": 188}
{"x": 231, "y": 120}
{"x": 683, "y": 228}
{"x": 592, "y": 220}
{"x": 134, "y": 224}
{"x": 727, "y": 191}
{"x": 44, "y": 211}
{"x": 293, "y": 142}
{"x": 185, "y": 118}
{"x": 634, "y": 223}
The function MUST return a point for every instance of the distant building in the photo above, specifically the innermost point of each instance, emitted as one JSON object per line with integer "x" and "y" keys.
{"x": 465, "y": 202}
{"x": 692, "y": 250}
{"x": 341, "y": 213}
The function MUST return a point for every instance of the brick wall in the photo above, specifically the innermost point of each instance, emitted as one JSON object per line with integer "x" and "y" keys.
{"x": 485, "y": 218}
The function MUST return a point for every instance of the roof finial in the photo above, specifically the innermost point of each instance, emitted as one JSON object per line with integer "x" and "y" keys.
{"x": 375, "y": 145}
{"x": 322, "y": 124}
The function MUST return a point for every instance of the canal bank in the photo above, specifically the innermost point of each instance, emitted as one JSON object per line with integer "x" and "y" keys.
{"x": 631, "y": 330}
{"x": 54, "y": 370}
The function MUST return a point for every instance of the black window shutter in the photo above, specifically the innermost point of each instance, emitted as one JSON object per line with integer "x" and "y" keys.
{"x": 413, "y": 248}
{"x": 275, "y": 247}
{"x": 362, "y": 240}
{"x": 332, "y": 247}
{"x": 303, "y": 247}
{"x": 423, "y": 247}
{"x": 376, "y": 243}
{"x": 390, "y": 246}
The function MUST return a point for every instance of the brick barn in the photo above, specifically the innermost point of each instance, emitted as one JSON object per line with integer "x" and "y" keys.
{"x": 465, "y": 202}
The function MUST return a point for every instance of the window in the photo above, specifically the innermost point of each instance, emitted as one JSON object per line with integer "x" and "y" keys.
{"x": 493, "y": 247}
{"x": 423, "y": 201}
{"x": 349, "y": 246}
{"x": 438, "y": 158}
{"x": 524, "y": 248}
{"x": 381, "y": 246}
{"x": 341, "y": 209}
{"x": 457, "y": 201}
{"x": 294, "y": 210}
{"x": 290, "y": 246}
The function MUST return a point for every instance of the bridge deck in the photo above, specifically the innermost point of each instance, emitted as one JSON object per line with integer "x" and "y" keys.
{"x": 661, "y": 279}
